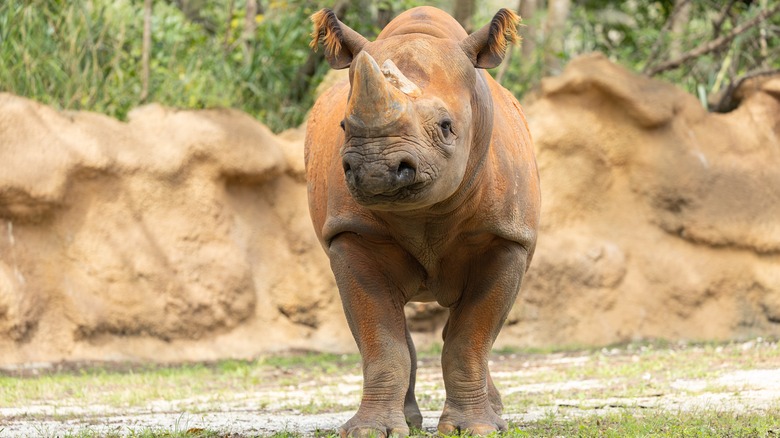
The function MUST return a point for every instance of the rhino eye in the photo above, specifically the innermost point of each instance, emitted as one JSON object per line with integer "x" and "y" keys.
{"x": 342, "y": 125}
{"x": 446, "y": 127}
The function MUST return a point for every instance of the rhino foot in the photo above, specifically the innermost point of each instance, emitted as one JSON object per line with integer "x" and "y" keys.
{"x": 370, "y": 432}
{"x": 471, "y": 421}
{"x": 360, "y": 427}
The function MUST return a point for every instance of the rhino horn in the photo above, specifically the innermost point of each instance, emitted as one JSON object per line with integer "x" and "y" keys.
{"x": 394, "y": 76}
{"x": 374, "y": 102}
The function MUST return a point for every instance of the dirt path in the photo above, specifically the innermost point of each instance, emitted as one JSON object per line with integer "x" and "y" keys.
{"x": 734, "y": 377}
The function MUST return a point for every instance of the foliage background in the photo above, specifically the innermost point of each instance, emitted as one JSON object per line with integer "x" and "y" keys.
{"x": 87, "y": 54}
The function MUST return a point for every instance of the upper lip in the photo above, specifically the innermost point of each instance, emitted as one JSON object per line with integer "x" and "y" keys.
{"x": 397, "y": 194}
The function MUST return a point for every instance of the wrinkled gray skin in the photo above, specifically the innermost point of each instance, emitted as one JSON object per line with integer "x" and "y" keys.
{"x": 422, "y": 187}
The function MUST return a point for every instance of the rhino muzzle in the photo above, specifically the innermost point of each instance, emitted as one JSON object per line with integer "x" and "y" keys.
{"x": 377, "y": 108}
{"x": 371, "y": 178}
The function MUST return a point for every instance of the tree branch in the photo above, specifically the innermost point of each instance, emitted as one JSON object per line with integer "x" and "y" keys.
{"x": 714, "y": 44}
{"x": 662, "y": 36}
{"x": 718, "y": 23}
{"x": 302, "y": 82}
{"x": 726, "y": 102}
{"x": 505, "y": 63}
{"x": 464, "y": 11}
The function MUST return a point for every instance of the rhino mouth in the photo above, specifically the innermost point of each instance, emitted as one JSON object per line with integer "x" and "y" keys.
{"x": 389, "y": 200}
{"x": 393, "y": 179}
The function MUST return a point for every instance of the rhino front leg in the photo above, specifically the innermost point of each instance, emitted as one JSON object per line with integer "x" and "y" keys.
{"x": 374, "y": 281}
{"x": 472, "y": 403}
{"x": 493, "y": 396}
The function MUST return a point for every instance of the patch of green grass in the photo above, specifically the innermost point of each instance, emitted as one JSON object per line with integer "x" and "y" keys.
{"x": 118, "y": 388}
{"x": 317, "y": 434}
{"x": 626, "y": 372}
{"x": 433, "y": 351}
{"x": 154, "y": 433}
{"x": 327, "y": 362}
{"x": 554, "y": 380}
{"x": 538, "y": 351}
{"x": 621, "y": 424}
{"x": 656, "y": 424}
{"x": 136, "y": 385}
{"x": 631, "y": 424}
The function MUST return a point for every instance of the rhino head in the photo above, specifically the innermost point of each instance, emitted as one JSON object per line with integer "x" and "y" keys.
{"x": 416, "y": 128}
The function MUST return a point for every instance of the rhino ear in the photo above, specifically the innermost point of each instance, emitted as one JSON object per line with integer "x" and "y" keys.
{"x": 486, "y": 47}
{"x": 341, "y": 43}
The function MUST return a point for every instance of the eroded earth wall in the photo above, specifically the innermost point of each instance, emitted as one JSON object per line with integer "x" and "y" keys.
{"x": 184, "y": 235}
{"x": 179, "y": 235}
{"x": 659, "y": 219}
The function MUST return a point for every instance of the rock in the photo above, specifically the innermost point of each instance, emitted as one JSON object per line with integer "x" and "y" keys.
{"x": 660, "y": 220}
{"x": 179, "y": 235}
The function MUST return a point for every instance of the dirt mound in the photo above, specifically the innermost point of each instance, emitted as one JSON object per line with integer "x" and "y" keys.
{"x": 184, "y": 235}
{"x": 659, "y": 219}
{"x": 178, "y": 235}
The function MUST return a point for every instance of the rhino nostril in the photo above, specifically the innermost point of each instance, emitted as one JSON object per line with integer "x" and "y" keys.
{"x": 405, "y": 165}
{"x": 405, "y": 172}
{"x": 347, "y": 169}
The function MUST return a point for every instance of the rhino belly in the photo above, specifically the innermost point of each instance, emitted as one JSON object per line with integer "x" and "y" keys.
{"x": 423, "y": 295}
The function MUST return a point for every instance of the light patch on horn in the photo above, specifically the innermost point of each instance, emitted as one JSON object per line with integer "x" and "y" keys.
{"x": 394, "y": 76}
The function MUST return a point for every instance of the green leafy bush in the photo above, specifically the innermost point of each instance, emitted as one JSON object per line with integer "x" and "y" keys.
{"x": 87, "y": 55}
{"x": 636, "y": 34}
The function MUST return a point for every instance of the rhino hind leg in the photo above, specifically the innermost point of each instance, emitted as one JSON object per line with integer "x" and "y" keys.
{"x": 411, "y": 410}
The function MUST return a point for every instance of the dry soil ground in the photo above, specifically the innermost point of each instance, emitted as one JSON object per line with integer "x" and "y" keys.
{"x": 313, "y": 394}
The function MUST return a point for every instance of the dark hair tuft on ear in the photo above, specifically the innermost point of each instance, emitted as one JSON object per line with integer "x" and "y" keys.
{"x": 327, "y": 31}
{"x": 503, "y": 30}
